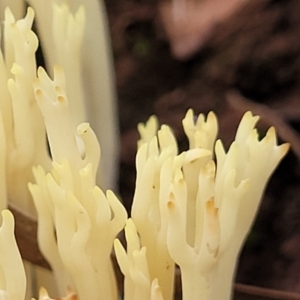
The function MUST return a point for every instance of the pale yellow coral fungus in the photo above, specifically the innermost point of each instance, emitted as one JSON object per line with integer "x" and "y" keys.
{"x": 138, "y": 283}
{"x": 12, "y": 274}
{"x": 69, "y": 203}
{"x": 23, "y": 124}
{"x": 74, "y": 34}
{"x": 192, "y": 209}
{"x": 194, "y": 212}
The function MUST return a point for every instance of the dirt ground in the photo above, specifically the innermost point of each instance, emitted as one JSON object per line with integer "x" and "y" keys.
{"x": 246, "y": 58}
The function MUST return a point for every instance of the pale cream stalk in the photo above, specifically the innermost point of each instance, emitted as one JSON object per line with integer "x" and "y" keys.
{"x": 85, "y": 230}
{"x": 147, "y": 131}
{"x": 196, "y": 262}
{"x": 203, "y": 212}
{"x": 255, "y": 159}
{"x": 84, "y": 219}
{"x": 3, "y": 188}
{"x": 67, "y": 35}
{"x": 156, "y": 292}
{"x": 201, "y": 133}
{"x": 211, "y": 236}
{"x": 53, "y": 103}
{"x": 73, "y": 230}
{"x": 46, "y": 235}
{"x": 157, "y": 163}
{"x": 96, "y": 67}
{"x": 69, "y": 30}
{"x": 100, "y": 91}
{"x": 12, "y": 279}
{"x": 137, "y": 283}
{"x": 5, "y": 99}
{"x": 146, "y": 215}
{"x": 85, "y": 233}
{"x": 226, "y": 202}
{"x": 24, "y": 127}
{"x": 19, "y": 9}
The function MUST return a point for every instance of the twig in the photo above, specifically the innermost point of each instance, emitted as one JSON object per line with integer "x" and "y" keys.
{"x": 265, "y": 293}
